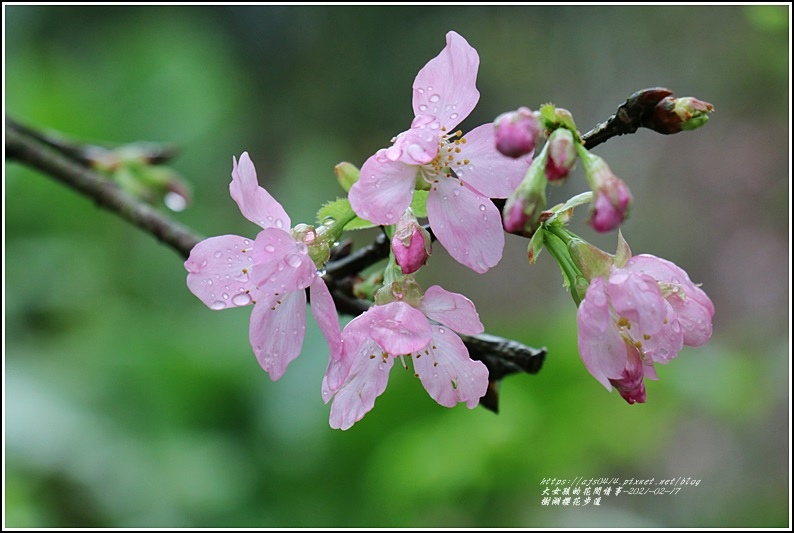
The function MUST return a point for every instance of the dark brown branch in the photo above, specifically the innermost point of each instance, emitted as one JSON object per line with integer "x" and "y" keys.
{"x": 651, "y": 108}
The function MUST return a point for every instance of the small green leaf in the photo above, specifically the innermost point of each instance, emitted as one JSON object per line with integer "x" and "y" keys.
{"x": 337, "y": 210}
{"x": 359, "y": 223}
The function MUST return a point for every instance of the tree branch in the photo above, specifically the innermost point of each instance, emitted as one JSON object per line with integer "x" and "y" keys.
{"x": 21, "y": 146}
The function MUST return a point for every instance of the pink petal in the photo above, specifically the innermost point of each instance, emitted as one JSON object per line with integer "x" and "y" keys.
{"x": 695, "y": 318}
{"x": 448, "y": 373}
{"x": 366, "y": 381}
{"x": 664, "y": 345}
{"x": 219, "y": 271}
{"x": 489, "y": 172}
{"x": 418, "y": 145}
{"x": 355, "y": 335}
{"x": 466, "y": 223}
{"x": 255, "y": 203}
{"x": 452, "y": 310}
{"x": 601, "y": 347}
{"x": 630, "y": 384}
{"x": 384, "y": 190}
{"x": 324, "y": 312}
{"x": 693, "y": 308}
{"x": 278, "y": 325}
{"x": 398, "y": 328}
{"x": 667, "y": 271}
{"x": 281, "y": 264}
{"x": 446, "y": 85}
{"x": 638, "y": 298}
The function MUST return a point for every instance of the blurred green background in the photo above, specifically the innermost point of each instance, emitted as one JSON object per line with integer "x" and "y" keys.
{"x": 130, "y": 404}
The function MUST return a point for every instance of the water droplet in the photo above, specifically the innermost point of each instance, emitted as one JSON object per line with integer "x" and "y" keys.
{"x": 482, "y": 207}
{"x": 420, "y": 90}
{"x": 175, "y": 201}
{"x": 456, "y": 192}
{"x": 389, "y": 214}
{"x": 423, "y": 107}
{"x": 445, "y": 197}
{"x": 435, "y": 125}
{"x": 280, "y": 267}
{"x": 204, "y": 263}
{"x": 279, "y": 223}
{"x": 429, "y": 88}
{"x": 246, "y": 242}
{"x": 217, "y": 305}
{"x": 225, "y": 296}
{"x": 485, "y": 217}
{"x": 241, "y": 299}
{"x": 294, "y": 260}
{"x": 442, "y": 330}
{"x": 270, "y": 248}
{"x": 209, "y": 282}
{"x": 453, "y": 116}
{"x": 218, "y": 254}
{"x": 471, "y": 167}
{"x": 435, "y": 98}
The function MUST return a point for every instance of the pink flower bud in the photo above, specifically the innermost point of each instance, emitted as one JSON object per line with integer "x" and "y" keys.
{"x": 562, "y": 154}
{"x": 610, "y": 206}
{"x": 410, "y": 243}
{"x": 612, "y": 200}
{"x": 516, "y": 132}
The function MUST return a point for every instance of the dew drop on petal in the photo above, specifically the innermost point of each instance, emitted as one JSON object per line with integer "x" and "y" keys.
{"x": 241, "y": 299}
{"x": 293, "y": 260}
{"x": 218, "y": 254}
{"x": 434, "y": 98}
{"x": 442, "y": 330}
{"x": 453, "y": 116}
{"x": 456, "y": 192}
{"x": 423, "y": 107}
{"x": 482, "y": 207}
{"x": 270, "y": 248}
{"x": 225, "y": 296}
{"x": 217, "y": 305}
{"x": 209, "y": 282}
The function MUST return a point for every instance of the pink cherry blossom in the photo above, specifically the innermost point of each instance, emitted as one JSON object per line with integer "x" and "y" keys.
{"x": 640, "y": 314}
{"x": 462, "y": 171}
{"x": 375, "y": 338}
{"x": 272, "y": 273}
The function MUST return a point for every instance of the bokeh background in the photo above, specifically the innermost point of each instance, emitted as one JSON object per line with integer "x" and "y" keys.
{"x": 130, "y": 404}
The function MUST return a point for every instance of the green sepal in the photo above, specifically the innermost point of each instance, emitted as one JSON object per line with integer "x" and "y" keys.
{"x": 419, "y": 203}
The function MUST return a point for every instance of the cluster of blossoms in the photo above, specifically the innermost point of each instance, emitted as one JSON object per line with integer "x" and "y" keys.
{"x": 634, "y": 311}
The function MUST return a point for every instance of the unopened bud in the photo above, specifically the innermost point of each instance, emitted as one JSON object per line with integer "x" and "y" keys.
{"x": 672, "y": 115}
{"x": 411, "y": 244}
{"x": 562, "y": 155}
{"x": 516, "y": 132}
{"x": 611, "y": 197}
{"x": 346, "y": 174}
{"x": 521, "y": 214}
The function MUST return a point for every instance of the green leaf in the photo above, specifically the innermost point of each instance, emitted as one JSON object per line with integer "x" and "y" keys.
{"x": 337, "y": 209}
{"x": 359, "y": 223}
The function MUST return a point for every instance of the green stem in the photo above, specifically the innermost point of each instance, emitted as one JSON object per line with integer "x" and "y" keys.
{"x": 555, "y": 240}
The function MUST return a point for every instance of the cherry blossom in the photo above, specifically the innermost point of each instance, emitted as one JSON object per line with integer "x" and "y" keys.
{"x": 640, "y": 314}
{"x": 462, "y": 172}
{"x": 272, "y": 272}
{"x": 375, "y": 338}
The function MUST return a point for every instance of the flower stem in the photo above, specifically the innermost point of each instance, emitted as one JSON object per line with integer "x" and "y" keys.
{"x": 556, "y": 239}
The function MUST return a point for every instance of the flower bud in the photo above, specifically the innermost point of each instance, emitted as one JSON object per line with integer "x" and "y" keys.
{"x": 672, "y": 115}
{"x": 410, "y": 243}
{"x": 346, "y": 174}
{"x": 516, "y": 132}
{"x": 521, "y": 214}
{"x": 612, "y": 199}
{"x": 562, "y": 154}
